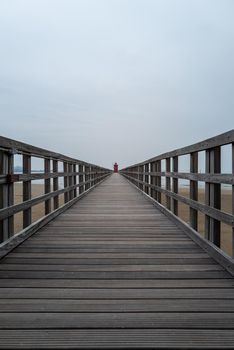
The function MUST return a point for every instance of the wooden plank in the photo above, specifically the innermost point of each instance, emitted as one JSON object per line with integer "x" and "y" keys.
{"x": 117, "y": 338}
{"x": 105, "y": 261}
{"x": 118, "y": 283}
{"x": 115, "y": 275}
{"x": 119, "y": 305}
{"x": 114, "y": 267}
{"x": 117, "y": 293}
{"x": 134, "y": 320}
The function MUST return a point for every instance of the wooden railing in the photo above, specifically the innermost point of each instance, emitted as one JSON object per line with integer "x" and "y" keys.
{"x": 78, "y": 178}
{"x": 148, "y": 175}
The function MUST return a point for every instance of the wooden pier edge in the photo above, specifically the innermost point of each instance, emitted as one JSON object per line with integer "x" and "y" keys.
{"x": 7, "y": 246}
{"x": 217, "y": 254}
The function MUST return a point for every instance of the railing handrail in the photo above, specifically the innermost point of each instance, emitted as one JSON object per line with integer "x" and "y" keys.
{"x": 148, "y": 175}
{"x": 216, "y": 141}
{"x": 18, "y": 147}
{"x": 78, "y": 178}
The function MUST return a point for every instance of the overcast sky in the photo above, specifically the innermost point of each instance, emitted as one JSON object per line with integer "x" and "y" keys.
{"x": 116, "y": 80}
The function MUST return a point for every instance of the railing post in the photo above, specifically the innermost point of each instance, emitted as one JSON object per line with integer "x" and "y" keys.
{"x": 146, "y": 178}
{"x": 89, "y": 177}
{"x": 193, "y": 189}
{"x": 141, "y": 176}
{"x": 55, "y": 183}
{"x": 74, "y": 181}
{"x": 70, "y": 180}
{"x": 175, "y": 185}
{"x": 233, "y": 200}
{"x": 168, "y": 182}
{"x": 158, "y": 180}
{"x": 86, "y": 177}
{"x": 65, "y": 170}
{"x": 153, "y": 179}
{"x": 6, "y": 195}
{"x": 213, "y": 195}
{"x": 81, "y": 178}
{"x": 207, "y": 194}
{"x": 27, "y": 190}
{"x": 47, "y": 186}
{"x": 138, "y": 176}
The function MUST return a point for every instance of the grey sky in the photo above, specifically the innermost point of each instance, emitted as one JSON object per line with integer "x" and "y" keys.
{"x": 119, "y": 80}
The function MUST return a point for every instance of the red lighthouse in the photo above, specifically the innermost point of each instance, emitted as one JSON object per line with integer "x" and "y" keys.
{"x": 116, "y": 168}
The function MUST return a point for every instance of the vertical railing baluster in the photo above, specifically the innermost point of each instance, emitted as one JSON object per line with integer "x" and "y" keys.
{"x": 47, "y": 186}
{"x": 193, "y": 190}
{"x": 213, "y": 195}
{"x": 168, "y": 183}
{"x": 55, "y": 183}
{"x": 6, "y": 195}
{"x": 152, "y": 179}
{"x": 11, "y": 194}
{"x": 70, "y": 180}
{"x": 81, "y": 178}
{"x": 65, "y": 170}
{"x": 27, "y": 190}
{"x": 146, "y": 178}
{"x": 207, "y": 194}
{"x": 233, "y": 200}
{"x": 175, "y": 185}
{"x": 74, "y": 180}
{"x": 159, "y": 180}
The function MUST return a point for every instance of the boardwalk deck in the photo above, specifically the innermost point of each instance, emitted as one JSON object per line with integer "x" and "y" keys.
{"x": 114, "y": 272}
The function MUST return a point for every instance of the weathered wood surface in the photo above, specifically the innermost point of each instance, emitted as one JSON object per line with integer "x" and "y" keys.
{"x": 113, "y": 272}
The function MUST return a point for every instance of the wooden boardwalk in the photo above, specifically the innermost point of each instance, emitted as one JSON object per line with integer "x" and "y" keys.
{"x": 111, "y": 272}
